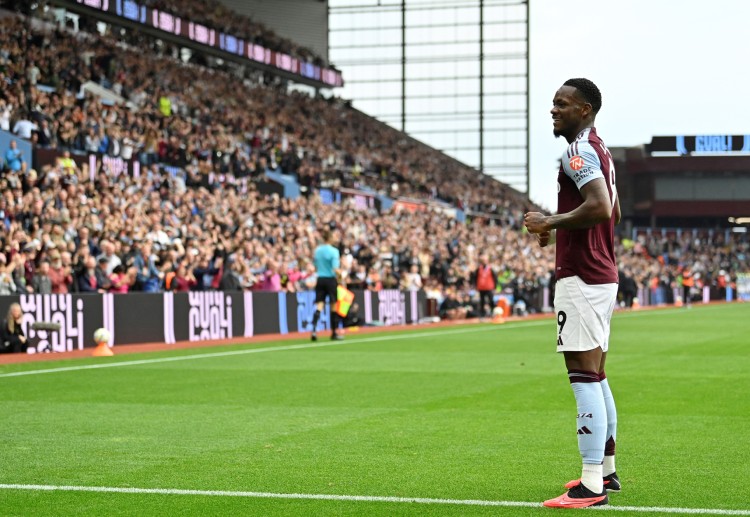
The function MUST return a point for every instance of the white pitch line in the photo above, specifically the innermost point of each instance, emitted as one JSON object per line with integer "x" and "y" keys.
{"x": 355, "y": 498}
{"x": 270, "y": 349}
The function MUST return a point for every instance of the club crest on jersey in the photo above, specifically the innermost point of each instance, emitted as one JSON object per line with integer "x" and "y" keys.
{"x": 576, "y": 163}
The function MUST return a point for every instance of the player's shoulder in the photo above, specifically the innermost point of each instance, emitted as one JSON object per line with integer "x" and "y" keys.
{"x": 583, "y": 149}
{"x": 585, "y": 142}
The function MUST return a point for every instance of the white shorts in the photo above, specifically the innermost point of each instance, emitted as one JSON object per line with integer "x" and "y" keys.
{"x": 583, "y": 314}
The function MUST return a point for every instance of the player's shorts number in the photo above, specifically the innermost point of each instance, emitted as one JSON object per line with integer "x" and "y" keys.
{"x": 561, "y": 318}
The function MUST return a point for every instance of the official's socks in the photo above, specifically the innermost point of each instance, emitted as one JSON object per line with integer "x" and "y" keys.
{"x": 316, "y": 317}
{"x": 334, "y": 322}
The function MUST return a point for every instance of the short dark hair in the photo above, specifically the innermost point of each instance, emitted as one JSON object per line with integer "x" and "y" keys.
{"x": 588, "y": 91}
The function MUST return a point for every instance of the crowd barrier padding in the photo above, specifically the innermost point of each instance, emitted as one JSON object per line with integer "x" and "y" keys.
{"x": 137, "y": 318}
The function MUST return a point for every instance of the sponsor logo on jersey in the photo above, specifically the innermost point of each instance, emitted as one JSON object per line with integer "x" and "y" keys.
{"x": 576, "y": 163}
{"x": 582, "y": 174}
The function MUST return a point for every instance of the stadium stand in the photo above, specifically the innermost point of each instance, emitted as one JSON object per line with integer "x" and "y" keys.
{"x": 193, "y": 218}
{"x": 214, "y": 15}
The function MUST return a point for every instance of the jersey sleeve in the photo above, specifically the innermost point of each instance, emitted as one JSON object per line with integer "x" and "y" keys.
{"x": 581, "y": 164}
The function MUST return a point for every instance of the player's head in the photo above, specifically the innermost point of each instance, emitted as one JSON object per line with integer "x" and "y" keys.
{"x": 326, "y": 235}
{"x": 587, "y": 91}
{"x": 574, "y": 107}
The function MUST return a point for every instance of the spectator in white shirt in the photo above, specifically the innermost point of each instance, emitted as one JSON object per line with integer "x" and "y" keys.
{"x": 24, "y": 127}
{"x": 33, "y": 73}
{"x": 5, "y": 114}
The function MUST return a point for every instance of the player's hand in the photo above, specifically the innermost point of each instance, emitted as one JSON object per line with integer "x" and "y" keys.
{"x": 536, "y": 222}
{"x": 543, "y": 238}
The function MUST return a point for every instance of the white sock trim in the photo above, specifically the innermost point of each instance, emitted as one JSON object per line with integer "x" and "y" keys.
{"x": 591, "y": 477}
{"x": 608, "y": 467}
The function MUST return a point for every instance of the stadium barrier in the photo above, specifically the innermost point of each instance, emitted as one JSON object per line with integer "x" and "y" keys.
{"x": 669, "y": 295}
{"x": 137, "y": 318}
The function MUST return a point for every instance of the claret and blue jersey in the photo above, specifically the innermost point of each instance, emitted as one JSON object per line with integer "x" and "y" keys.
{"x": 588, "y": 252}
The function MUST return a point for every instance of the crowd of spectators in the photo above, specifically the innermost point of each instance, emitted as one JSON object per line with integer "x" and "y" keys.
{"x": 153, "y": 233}
{"x": 171, "y": 228}
{"x": 658, "y": 262}
{"x": 214, "y": 15}
{"x": 210, "y": 120}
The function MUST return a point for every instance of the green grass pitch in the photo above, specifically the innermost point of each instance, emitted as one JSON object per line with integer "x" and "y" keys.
{"x": 480, "y": 412}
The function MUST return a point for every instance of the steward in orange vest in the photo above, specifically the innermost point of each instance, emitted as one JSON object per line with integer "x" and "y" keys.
{"x": 485, "y": 281}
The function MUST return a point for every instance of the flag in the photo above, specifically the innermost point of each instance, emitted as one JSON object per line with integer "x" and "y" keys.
{"x": 344, "y": 301}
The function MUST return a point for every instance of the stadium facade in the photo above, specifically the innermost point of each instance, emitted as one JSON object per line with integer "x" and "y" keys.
{"x": 451, "y": 73}
{"x": 686, "y": 181}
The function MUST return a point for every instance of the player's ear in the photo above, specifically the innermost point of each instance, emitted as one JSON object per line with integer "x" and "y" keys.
{"x": 586, "y": 109}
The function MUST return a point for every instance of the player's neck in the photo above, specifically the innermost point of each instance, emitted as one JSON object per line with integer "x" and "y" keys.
{"x": 586, "y": 125}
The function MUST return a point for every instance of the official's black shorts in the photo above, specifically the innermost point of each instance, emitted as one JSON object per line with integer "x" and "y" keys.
{"x": 326, "y": 287}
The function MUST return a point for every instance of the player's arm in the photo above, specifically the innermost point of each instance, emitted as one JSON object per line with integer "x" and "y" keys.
{"x": 618, "y": 213}
{"x": 585, "y": 171}
{"x": 596, "y": 208}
